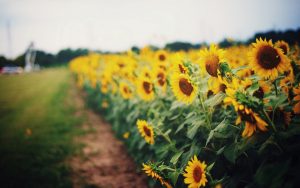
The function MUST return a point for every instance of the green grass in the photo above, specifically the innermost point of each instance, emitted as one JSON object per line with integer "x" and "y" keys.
{"x": 41, "y": 102}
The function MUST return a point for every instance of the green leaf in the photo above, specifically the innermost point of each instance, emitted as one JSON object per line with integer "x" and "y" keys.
{"x": 215, "y": 100}
{"x": 254, "y": 87}
{"x": 179, "y": 127}
{"x": 221, "y": 130}
{"x": 193, "y": 128}
{"x": 230, "y": 153}
{"x": 174, "y": 176}
{"x": 175, "y": 158}
{"x": 210, "y": 136}
{"x": 210, "y": 167}
{"x": 176, "y": 104}
{"x": 267, "y": 176}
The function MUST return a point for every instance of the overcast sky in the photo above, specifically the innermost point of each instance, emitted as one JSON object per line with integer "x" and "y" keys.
{"x": 119, "y": 24}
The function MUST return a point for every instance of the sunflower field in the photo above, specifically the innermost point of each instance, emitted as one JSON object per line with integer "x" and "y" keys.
{"x": 209, "y": 117}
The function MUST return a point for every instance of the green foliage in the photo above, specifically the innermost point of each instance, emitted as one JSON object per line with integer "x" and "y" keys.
{"x": 42, "y": 103}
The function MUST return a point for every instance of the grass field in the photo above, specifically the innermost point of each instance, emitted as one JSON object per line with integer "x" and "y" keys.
{"x": 36, "y": 128}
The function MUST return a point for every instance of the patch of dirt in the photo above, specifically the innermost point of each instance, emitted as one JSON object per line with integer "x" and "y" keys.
{"x": 103, "y": 161}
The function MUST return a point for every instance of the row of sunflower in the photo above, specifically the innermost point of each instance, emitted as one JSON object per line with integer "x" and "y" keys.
{"x": 207, "y": 117}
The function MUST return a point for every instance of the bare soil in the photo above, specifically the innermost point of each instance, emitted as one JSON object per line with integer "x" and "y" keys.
{"x": 103, "y": 161}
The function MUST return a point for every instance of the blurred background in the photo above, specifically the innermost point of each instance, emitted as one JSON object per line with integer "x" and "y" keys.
{"x": 38, "y": 111}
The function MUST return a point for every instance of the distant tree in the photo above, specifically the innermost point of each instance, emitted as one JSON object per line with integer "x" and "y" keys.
{"x": 5, "y": 62}
{"x": 19, "y": 61}
{"x": 66, "y": 55}
{"x": 135, "y": 49}
{"x": 290, "y": 36}
{"x": 178, "y": 46}
{"x": 45, "y": 59}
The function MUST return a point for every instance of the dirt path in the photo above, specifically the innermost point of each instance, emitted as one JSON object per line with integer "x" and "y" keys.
{"x": 103, "y": 161}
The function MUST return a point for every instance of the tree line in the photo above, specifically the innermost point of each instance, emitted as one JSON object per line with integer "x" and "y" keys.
{"x": 45, "y": 59}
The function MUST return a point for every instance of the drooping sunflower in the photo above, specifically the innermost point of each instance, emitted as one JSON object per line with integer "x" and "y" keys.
{"x": 146, "y": 131}
{"x": 251, "y": 119}
{"x": 194, "y": 174}
{"x": 263, "y": 89}
{"x": 296, "y": 107}
{"x": 145, "y": 88}
{"x": 125, "y": 90}
{"x": 245, "y": 114}
{"x": 183, "y": 88}
{"x": 211, "y": 59}
{"x": 283, "y": 45}
{"x": 152, "y": 173}
{"x": 267, "y": 60}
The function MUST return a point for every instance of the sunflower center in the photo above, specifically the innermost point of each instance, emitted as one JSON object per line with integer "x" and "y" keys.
{"x": 185, "y": 86}
{"x": 247, "y": 117}
{"x": 162, "y": 57}
{"x": 212, "y": 65}
{"x": 147, "y": 87}
{"x": 209, "y": 93}
{"x": 126, "y": 90}
{"x": 259, "y": 93}
{"x": 222, "y": 87}
{"x": 268, "y": 57}
{"x": 197, "y": 174}
{"x": 161, "y": 78}
{"x": 284, "y": 48}
{"x": 163, "y": 67}
{"x": 147, "y": 131}
{"x": 182, "y": 69}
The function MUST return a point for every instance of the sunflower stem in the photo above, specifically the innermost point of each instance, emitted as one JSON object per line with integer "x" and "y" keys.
{"x": 275, "y": 85}
{"x": 205, "y": 111}
{"x": 270, "y": 121}
{"x": 170, "y": 169}
{"x": 164, "y": 136}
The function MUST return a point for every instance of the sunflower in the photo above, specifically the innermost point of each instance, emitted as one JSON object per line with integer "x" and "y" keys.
{"x": 146, "y": 131}
{"x": 161, "y": 56}
{"x": 146, "y": 72}
{"x": 151, "y": 172}
{"x": 283, "y": 46}
{"x": 211, "y": 59}
{"x": 145, "y": 88}
{"x": 296, "y": 108}
{"x": 287, "y": 82}
{"x": 245, "y": 114}
{"x": 161, "y": 78}
{"x": 215, "y": 86}
{"x": 126, "y": 135}
{"x": 251, "y": 119}
{"x": 195, "y": 173}
{"x": 125, "y": 90}
{"x": 183, "y": 89}
{"x": 178, "y": 66}
{"x": 80, "y": 80}
{"x": 263, "y": 89}
{"x": 267, "y": 60}
{"x": 104, "y": 104}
